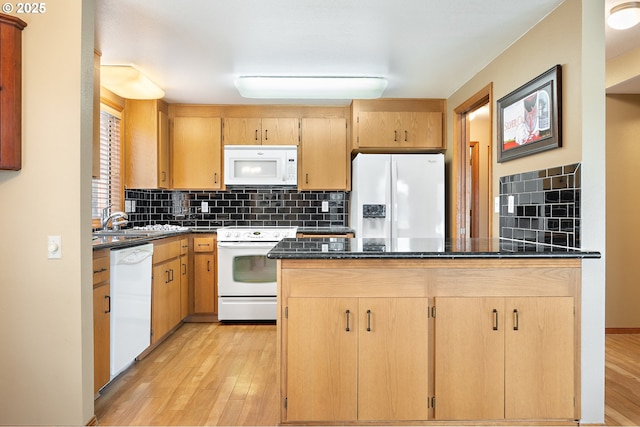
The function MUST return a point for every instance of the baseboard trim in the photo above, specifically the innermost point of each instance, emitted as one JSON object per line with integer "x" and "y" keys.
{"x": 622, "y": 330}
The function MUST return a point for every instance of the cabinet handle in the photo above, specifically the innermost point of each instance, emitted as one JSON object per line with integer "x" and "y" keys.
{"x": 368, "y": 320}
{"x": 215, "y": 177}
{"x": 516, "y": 320}
{"x": 266, "y": 135}
{"x": 395, "y": 136}
{"x": 171, "y": 274}
{"x": 256, "y": 134}
{"x": 495, "y": 319}
{"x": 348, "y": 313}
{"x": 208, "y": 265}
{"x": 406, "y": 136}
{"x": 167, "y": 273}
{"x": 164, "y": 176}
{"x": 108, "y": 298}
{"x": 184, "y": 269}
{"x": 306, "y": 178}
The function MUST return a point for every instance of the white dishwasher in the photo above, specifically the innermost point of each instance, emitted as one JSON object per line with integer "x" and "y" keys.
{"x": 130, "y": 304}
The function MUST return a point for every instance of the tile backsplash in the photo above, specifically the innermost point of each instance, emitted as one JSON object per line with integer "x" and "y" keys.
{"x": 245, "y": 206}
{"x": 546, "y": 206}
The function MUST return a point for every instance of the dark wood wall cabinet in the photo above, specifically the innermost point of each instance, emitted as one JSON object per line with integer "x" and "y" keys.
{"x": 10, "y": 92}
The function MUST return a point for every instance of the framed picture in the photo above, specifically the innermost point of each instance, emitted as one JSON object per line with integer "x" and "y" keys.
{"x": 529, "y": 118}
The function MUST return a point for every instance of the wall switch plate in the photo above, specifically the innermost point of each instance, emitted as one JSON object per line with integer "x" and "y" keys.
{"x": 204, "y": 207}
{"x": 496, "y": 204}
{"x": 127, "y": 206}
{"x": 325, "y": 206}
{"x": 133, "y": 206}
{"x": 54, "y": 247}
{"x": 510, "y": 204}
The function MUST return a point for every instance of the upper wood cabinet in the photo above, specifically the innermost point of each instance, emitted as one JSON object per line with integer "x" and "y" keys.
{"x": 261, "y": 131}
{"x": 324, "y": 161}
{"x": 196, "y": 153}
{"x": 398, "y": 125}
{"x": 146, "y": 144}
{"x": 11, "y": 92}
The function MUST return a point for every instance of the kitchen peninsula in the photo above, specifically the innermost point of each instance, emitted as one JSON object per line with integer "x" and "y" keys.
{"x": 428, "y": 330}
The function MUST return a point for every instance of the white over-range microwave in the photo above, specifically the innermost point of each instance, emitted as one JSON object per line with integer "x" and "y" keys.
{"x": 260, "y": 164}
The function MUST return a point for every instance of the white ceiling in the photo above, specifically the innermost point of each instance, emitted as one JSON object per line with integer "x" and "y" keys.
{"x": 425, "y": 48}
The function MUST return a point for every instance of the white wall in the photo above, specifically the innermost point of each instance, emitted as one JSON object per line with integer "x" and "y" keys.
{"x": 46, "y": 362}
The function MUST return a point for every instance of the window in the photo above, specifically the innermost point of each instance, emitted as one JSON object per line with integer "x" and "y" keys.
{"x": 107, "y": 188}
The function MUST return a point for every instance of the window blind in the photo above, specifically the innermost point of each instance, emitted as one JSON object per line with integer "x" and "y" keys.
{"x": 106, "y": 188}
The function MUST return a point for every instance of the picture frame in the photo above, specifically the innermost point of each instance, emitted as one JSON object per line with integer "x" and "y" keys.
{"x": 530, "y": 117}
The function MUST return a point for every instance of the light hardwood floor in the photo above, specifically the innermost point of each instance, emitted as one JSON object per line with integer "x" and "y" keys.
{"x": 214, "y": 374}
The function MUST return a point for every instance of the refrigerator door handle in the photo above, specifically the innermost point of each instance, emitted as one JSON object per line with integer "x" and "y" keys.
{"x": 392, "y": 198}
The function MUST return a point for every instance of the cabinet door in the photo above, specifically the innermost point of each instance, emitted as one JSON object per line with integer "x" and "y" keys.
{"x": 420, "y": 130}
{"x": 204, "y": 283}
{"x": 321, "y": 351}
{"x": 539, "y": 379}
{"x": 165, "y": 298}
{"x": 242, "y": 131}
{"x": 280, "y": 131}
{"x": 469, "y": 358}
{"x": 163, "y": 150}
{"x": 378, "y": 130}
{"x": 324, "y": 161}
{"x": 101, "y": 336}
{"x": 197, "y": 153}
{"x": 393, "y": 359}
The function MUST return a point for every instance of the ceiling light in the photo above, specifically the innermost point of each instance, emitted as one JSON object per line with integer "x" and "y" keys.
{"x": 128, "y": 82}
{"x": 310, "y": 87}
{"x": 624, "y": 15}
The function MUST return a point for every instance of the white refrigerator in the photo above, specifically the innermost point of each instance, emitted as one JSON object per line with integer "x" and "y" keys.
{"x": 397, "y": 196}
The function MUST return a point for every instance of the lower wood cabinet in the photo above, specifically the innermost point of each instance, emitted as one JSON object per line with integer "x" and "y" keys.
{"x": 507, "y": 358}
{"x": 101, "y": 319}
{"x": 205, "y": 292}
{"x": 165, "y": 289}
{"x": 362, "y": 359}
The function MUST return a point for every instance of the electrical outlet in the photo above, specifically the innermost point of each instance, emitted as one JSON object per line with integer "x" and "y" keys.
{"x": 325, "y": 206}
{"x": 204, "y": 207}
{"x": 496, "y": 205}
{"x": 510, "y": 204}
{"x": 127, "y": 206}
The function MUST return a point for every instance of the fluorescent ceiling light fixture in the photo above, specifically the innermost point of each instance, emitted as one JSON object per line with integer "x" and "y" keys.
{"x": 310, "y": 87}
{"x": 624, "y": 15}
{"x": 127, "y": 82}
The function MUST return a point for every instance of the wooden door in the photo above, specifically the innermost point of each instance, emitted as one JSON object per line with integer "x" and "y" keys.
{"x": 393, "y": 359}
{"x": 101, "y": 336}
{"x": 204, "y": 283}
{"x": 379, "y": 130}
{"x": 165, "y": 298}
{"x": 322, "y": 346}
{"x": 469, "y": 358}
{"x": 280, "y": 131}
{"x": 184, "y": 278}
{"x": 197, "y": 153}
{"x": 325, "y": 160}
{"x": 242, "y": 131}
{"x": 539, "y": 373}
{"x": 163, "y": 150}
{"x": 421, "y": 129}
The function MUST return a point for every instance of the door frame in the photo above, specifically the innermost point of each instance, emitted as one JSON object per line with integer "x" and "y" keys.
{"x": 461, "y": 139}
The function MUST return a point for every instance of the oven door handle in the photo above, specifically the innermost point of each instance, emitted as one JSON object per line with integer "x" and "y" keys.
{"x": 247, "y": 245}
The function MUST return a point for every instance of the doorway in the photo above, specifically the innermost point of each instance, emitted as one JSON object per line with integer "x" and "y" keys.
{"x": 472, "y": 162}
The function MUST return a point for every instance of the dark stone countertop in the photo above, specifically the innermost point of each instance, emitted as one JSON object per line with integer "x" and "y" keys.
{"x": 325, "y": 230}
{"x": 406, "y": 248}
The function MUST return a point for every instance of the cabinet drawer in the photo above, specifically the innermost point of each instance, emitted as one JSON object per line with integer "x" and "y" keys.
{"x": 184, "y": 246}
{"x": 100, "y": 268}
{"x": 204, "y": 244}
{"x": 164, "y": 251}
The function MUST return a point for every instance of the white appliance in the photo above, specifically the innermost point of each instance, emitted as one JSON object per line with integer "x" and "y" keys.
{"x": 260, "y": 165}
{"x": 397, "y": 195}
{"x": 130, "y": 305}
{"x": 246, "y": 277}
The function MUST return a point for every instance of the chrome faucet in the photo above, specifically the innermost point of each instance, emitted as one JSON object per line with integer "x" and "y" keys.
{"x": 116, "y": 218}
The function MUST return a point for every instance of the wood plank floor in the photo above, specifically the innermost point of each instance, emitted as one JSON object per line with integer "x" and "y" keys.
{"x": 215, "y": 374}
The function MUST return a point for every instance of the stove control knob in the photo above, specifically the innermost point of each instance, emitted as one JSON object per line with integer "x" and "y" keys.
{"x": 285, "y": 234}
{"x": 227, "y": 234}
{"x": 236, "y": 234}
{"x": 276, "y": 234}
